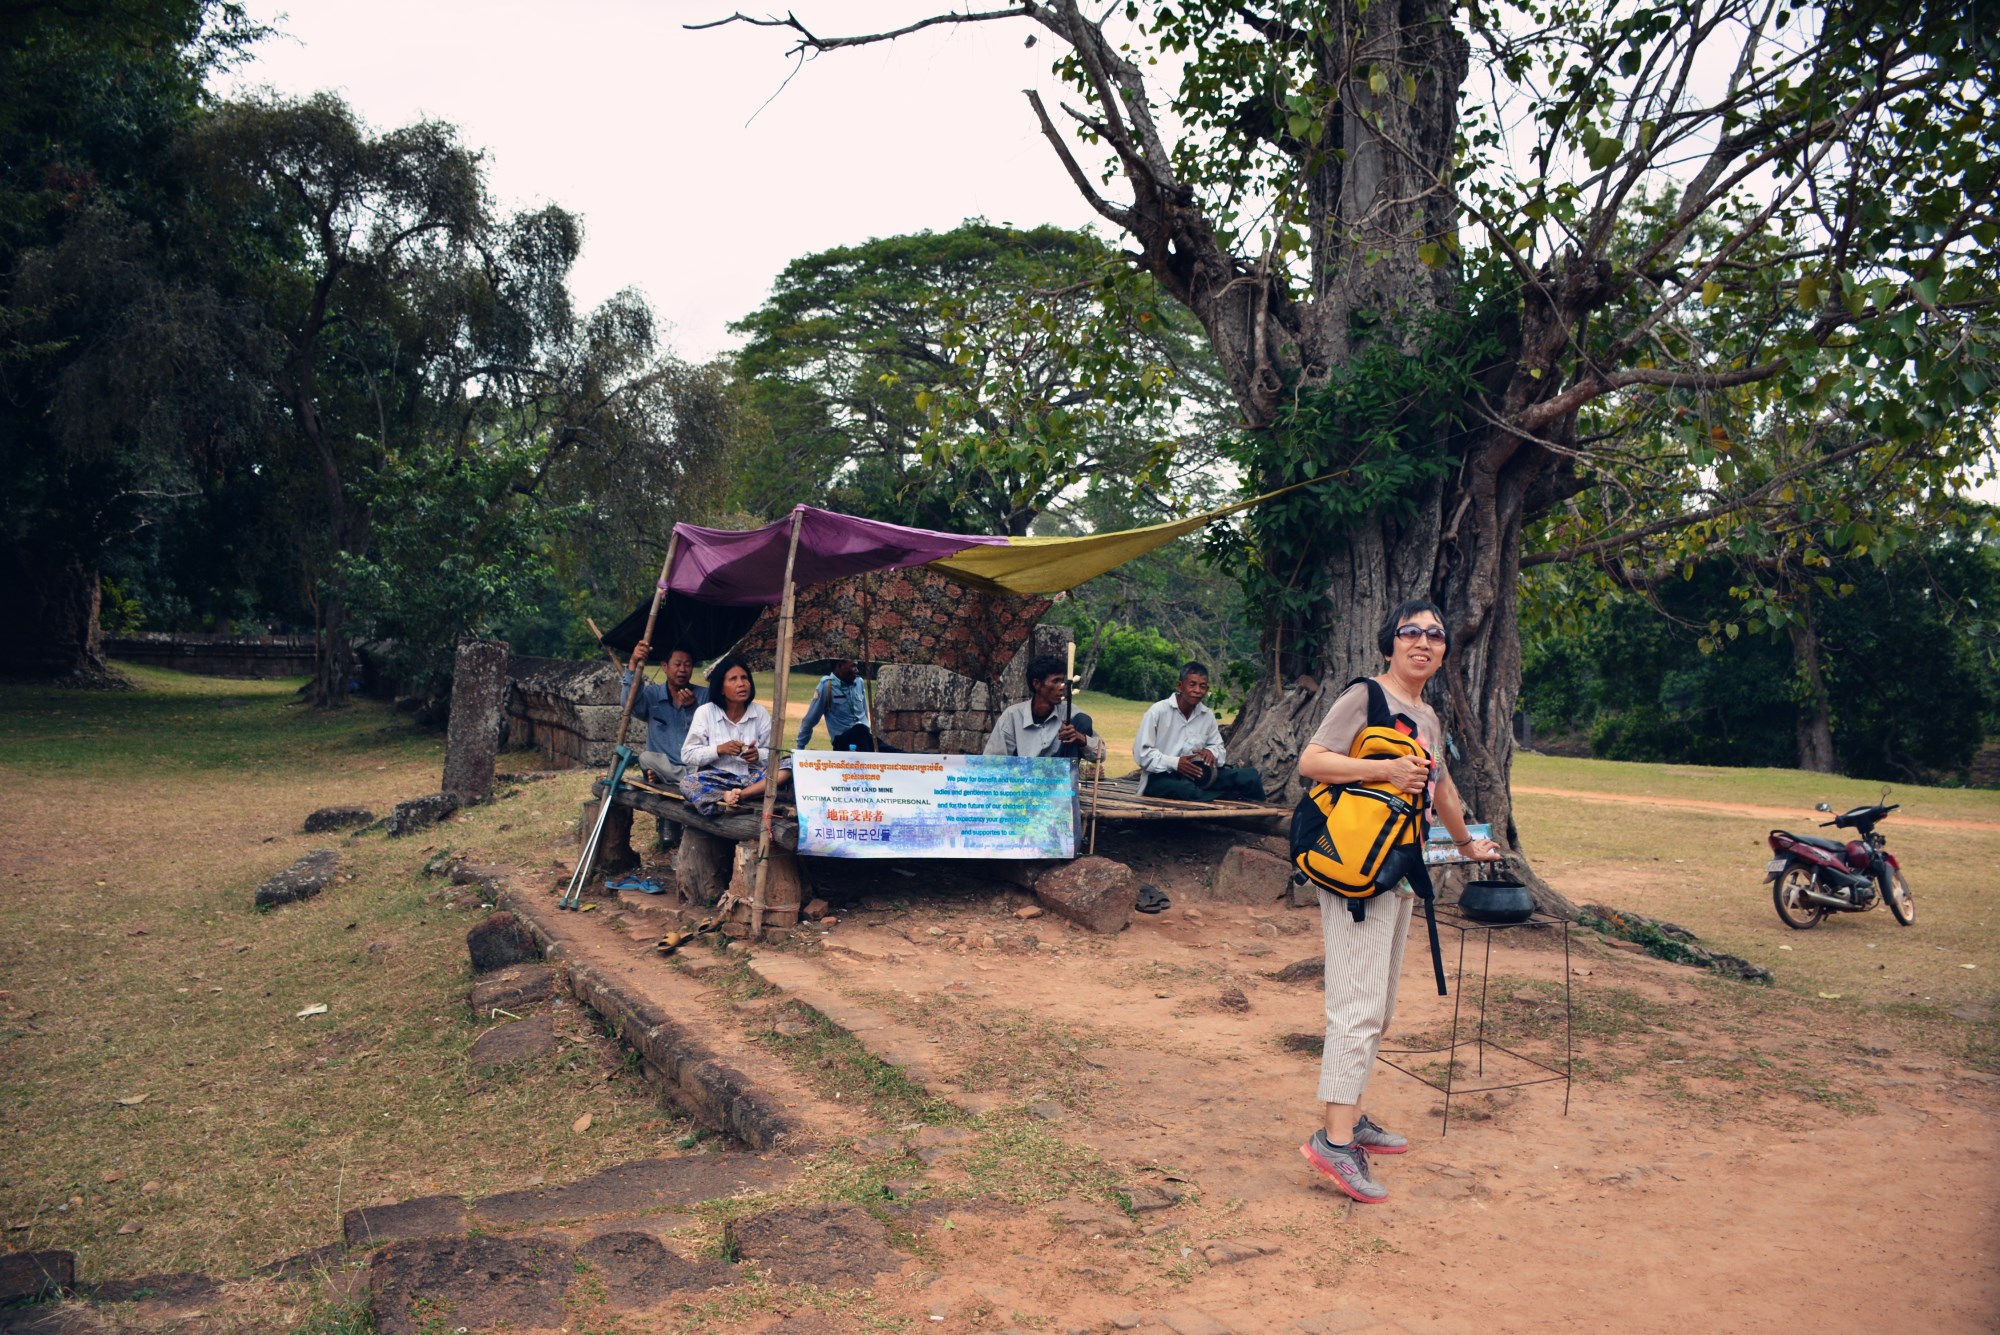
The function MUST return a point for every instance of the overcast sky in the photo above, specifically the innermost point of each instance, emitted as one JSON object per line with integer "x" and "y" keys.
{"x": 688, "y": 191}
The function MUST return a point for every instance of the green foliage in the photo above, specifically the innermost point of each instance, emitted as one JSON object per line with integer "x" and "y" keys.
{"x": 967, "y": 379}
{"x": 456, "y": 550}
{"x": 1382, "y": 428}
{"x": 1137, "y": 665}
{"x": 1910, "y": 657}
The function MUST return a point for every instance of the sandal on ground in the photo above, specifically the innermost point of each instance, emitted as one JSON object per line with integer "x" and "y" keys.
{"x": 1152, "y": 901}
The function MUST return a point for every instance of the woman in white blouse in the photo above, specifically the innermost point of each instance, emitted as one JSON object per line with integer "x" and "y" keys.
{"x": 728, "y": 741}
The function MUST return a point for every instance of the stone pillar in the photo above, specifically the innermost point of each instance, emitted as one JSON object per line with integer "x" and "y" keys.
{"x": 478, "y": 708}
{"x": 703, "y": 865}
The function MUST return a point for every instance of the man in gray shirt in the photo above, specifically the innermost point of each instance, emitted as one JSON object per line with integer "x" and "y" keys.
{"x": 1037, "y": 726}
{"x": 1180, "y": 752}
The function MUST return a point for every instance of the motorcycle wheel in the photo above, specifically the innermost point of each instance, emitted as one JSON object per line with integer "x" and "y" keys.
{"x": 1900, "y": 903}
{"x": 1788, "y": 896}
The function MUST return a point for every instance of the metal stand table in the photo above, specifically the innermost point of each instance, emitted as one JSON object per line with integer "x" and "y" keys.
{"x": 1478, "y": 1041}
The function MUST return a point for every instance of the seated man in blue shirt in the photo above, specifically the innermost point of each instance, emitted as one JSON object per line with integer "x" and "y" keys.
{"x": 841, "y": 698}
{"x": 667, "y": 707}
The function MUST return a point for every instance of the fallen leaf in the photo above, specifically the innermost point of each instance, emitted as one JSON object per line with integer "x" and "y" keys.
{"x": 1968, "y": 966}
{"x": 1831, "y": 996}
{"x": 134, "y": 1101}
{"x": 317, "y": 1008}
{"x": 127, "y": 1230}
{"x": 149, "y": 1188}
{"x": 110, "y": 1176}
{"x": 1784, "y": 947}
{"x": 581, "y": 1124}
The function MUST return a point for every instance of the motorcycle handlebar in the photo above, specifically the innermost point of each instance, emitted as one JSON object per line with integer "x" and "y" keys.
{"x": 1894, "y": 806}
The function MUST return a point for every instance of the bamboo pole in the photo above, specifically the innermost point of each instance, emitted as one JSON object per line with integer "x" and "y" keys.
{"x": 598, "y": 635}
{"x": 778, "y": 723}
{"x": 652, "y": 619}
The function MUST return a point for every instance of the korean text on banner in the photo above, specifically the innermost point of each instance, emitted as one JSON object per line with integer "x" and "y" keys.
{"x": 857, "y": 804}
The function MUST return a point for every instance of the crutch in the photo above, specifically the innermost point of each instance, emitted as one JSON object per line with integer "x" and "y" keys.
{"x": 573, "y": 897}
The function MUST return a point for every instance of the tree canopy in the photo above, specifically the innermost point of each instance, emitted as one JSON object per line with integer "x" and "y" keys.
{"x": 970, "y": 379}
{"x": 1616, "y": 230}
{"x": 262, "y": 357}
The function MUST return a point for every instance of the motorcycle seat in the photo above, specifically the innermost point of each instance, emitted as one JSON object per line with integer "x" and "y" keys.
{"x": 1815, "y": 841}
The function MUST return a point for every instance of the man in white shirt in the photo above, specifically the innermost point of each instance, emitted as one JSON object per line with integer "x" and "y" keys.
{"x": 1180, "y": 752}
{"x": 1039, "y": 726}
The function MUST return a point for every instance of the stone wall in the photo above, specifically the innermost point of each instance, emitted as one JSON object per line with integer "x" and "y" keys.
{"x": 568, "y": 710}
{"x": 939, "y": 712}
{"x": 263, "y": 657}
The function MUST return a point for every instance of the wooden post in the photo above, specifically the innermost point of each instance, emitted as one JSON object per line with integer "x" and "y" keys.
{"x": 652, "y": 617}
{"x": 1096, "y": 777}
{"x": 778, "y": 737}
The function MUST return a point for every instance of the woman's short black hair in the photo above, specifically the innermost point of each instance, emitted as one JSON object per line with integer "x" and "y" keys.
{"x": 720, "y": 673}
{"x": 1404, "y": 611}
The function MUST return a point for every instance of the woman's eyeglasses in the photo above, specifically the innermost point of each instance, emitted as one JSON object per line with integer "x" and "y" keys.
{"x": 1411, "y": 634}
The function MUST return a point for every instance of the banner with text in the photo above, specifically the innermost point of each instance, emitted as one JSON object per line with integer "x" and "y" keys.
{"x": 867, "y": 804}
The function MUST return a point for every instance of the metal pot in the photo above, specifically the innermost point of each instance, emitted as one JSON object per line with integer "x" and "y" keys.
{"x": 1496, "y": 900}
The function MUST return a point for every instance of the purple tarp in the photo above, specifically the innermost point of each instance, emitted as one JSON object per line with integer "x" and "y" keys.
{"x": 726, "y": 568}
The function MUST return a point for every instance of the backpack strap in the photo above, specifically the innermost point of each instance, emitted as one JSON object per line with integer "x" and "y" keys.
{"x": 1380, "y": 715}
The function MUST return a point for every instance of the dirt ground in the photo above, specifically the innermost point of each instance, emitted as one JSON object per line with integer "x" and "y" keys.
{"x": 1817, "y": 1153}
{"x": 1731, "y": 1157}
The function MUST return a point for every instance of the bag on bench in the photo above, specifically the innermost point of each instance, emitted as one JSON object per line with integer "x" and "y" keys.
{"x": 1360, "y": 840}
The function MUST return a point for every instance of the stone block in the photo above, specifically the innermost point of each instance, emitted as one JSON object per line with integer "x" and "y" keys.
{"x": 511, "y": 989}
{"x": 419, "y": 813}
{"x": 302, "y": 880}
{"x": 827, "y": 1245}
{"x": 636, "y": 1271}
{"x": 327, "y": 819}
{"x": 478, "y": 714}
{"x": 1094, "y": 893}
{"x": 499, "y": 941}
{"x": 25, "y": 1276}
{"x": 425, "y": 1217}
{"x": 1248, "y": 875}
{"x": 484, "y": 1283}
{"x": 703, "y": 865}
{"x": 517, "y": 1041}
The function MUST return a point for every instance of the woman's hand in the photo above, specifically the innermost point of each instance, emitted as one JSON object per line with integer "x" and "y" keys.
{"x": 1481, "y": 850}
{"x": 1408, "y": 774}
{"x": 729, "y": 748}
{"x": 749, "y": 753}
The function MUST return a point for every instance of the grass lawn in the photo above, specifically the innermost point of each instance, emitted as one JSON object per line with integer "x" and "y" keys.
{"x": 161, "y": 1108}
{"x": 1704, "y": 869}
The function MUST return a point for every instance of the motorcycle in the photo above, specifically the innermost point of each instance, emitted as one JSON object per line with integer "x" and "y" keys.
{"x": 1811, "y": 877}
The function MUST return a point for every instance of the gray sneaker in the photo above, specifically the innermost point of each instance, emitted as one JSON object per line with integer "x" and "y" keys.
{"x": 1346, "y": 1166}
{"x": 1377, "y": 1141}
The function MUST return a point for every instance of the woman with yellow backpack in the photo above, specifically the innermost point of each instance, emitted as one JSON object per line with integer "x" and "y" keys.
{"x": 1379, "y": 751}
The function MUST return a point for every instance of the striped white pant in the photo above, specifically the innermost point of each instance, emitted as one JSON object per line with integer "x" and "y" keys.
{"x": 1363, "y": 961}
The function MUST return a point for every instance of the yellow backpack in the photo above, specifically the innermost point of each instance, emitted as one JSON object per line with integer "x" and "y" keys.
{"x": 1359, "y": 840}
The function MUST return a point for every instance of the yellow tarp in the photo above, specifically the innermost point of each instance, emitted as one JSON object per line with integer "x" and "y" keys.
{"x": 1053, "y": 565}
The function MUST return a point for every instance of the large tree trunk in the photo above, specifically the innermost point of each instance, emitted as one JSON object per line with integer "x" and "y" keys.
{"x": 1463, "y": 555}
{"x": 48, "y": 605}
{"x": 1815, "y": 710}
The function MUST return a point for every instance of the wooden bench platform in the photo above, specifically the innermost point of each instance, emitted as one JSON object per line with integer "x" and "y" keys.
{"x": 737, "y": 827}
{"x": 1120, "y": 799}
